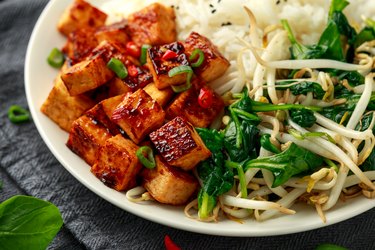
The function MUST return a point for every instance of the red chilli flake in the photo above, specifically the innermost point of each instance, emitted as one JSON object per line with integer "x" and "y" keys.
{"x": 133, "y": 50}
{"x": 169, "y": 244}
{"x": 205, "y": 98}
{"x": 169, "y": 54}
{"x": 133, "y": 71}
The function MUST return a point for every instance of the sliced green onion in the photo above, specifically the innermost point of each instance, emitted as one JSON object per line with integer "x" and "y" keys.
{"x": 143, "y": 58}
{"x": 56, "y": 58}
{"x": 16, "y": 114}
{"x": 180, "y": 70}
{"x": 118, "y": 67}
{"x": 148, "y": 162}
{"x": 200, "y": 58}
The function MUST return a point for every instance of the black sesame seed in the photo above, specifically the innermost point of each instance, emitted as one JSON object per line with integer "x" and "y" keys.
{"x": 213, "y": 11}
{"x": 211, "y": 5}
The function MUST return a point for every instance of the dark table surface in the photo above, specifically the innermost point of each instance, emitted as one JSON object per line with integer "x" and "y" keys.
{"x": 28, "y": 167}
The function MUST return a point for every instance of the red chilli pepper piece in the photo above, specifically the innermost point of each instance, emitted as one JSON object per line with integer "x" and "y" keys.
{"x": 133, "y": 50}
{"x": 133, "y": 71}
{"x": 169, "y": 244}
{"x": 169, "y": 54}
{"x": 205, "y": 98}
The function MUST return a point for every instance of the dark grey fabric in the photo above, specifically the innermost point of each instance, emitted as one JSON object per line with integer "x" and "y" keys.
{"x": 28, "y": 167}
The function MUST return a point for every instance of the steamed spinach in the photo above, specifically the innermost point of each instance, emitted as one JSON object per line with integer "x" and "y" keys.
{"x": 300, "y": 51}
{"x": 217, "y": 179}
{"x": 303, "y": 117}
{"x": 266, "y": 143}
{"x": 303, "y": 88}
{"x": 28, "y": 223}
{"x": 293, "y": 161}
{"x": 366, "y": 34}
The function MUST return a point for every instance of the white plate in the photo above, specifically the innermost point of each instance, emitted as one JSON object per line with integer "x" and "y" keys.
{"x": 39, "y": 78}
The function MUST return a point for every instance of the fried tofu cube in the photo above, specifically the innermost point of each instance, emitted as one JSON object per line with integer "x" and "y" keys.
{"x": 86, "y": 137}
{"x": 62, "y": 108}
{"x": 214, "y": 64}
{"x": 154, "y": 25}
{"x": 117, "y": 165}
{"x": 167, "y": 184}
{"x": 138, "y": 114}
{"x": 186, "y": 105}
{"x": 80, "y": 14}
{"x": 93, "y": 72}
{"x": 160, "y": 65}
{"x": 114, "y": 33}
{"x": 80, "y": 44}
{"x": 118, "y": 87}
{"x": 179, "y": 144}
{"x": 162, "y": 96}
{"x": 102, "y": 112}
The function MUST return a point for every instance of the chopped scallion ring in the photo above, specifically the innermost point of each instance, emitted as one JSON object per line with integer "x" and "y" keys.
{"x": 56, "y": 58}
{"x": 143, "y": 58}
{"x": 16, "y": 114}
{"x": 148, "y": 162}
{"x": 200, "y": 60}
{"x": 118, "y": 67}
{"x": 180, "y": 70}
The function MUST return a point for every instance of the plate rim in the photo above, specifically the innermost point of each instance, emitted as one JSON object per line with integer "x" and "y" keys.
{"x": 102, "y": 191}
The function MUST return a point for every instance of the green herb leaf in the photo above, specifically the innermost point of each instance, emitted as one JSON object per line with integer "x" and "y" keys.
{"x": 293, "y": 161}
{"x": 327, "y": 246}
{"x": 266, "y": 143}
{"x": 28, "y": 223}
{"x": 303, "y": 117}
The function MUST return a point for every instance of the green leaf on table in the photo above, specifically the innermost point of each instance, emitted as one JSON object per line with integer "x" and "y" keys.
{"x": 293, "y": 161}
{"x": 28, "y": 223}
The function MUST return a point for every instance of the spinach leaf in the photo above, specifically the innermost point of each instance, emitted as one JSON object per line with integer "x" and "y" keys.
{"x": 28, "y": 223}
{"x": 293, "y": 161}
{"x": 216, "y": 180}
{"x": 303, "y": 88}
{"x": 303, "y": 117}
{"x": 337, "y": 5}
{"x": 214, "y": 141}
{"x": 353, "y": 77}
{"x": 330, "y": 38}
{"x": 369, "y": 163}
{"x": 344, "y": 27}
{"x": 266, "y": 143}
{"x": 366, "y": 34}
{"x": 248, "y": 138}
{"x": 300, "y": 51}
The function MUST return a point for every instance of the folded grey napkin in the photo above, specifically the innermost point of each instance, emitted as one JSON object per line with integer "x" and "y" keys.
{"x": 28, "y": 167}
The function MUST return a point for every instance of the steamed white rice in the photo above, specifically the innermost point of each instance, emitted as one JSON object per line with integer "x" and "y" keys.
{"x": 306, "y": 17}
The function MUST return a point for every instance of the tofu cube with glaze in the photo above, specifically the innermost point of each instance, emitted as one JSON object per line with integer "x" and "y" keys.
{"x": 102, "y": 112}
{"x": 117, "y": 165}
{"x": 167, "y": 184}
{"x": 114, "y": 33}
{"x": 80, "y": 14}
{"x": 159, "y": 65}
{"x": 186, "y": 105}
{"x": 179, "y": 144}
{"x": 154, "y": 25}
{"x": 162, "y": 96}
{"x": 92, "y": 72}
{"x": 214, "y": 64}
{"x": 138, "y": 114}
{"x": 86, "y": 137}
{"x": 62, "y": 108}
{"x": 138, "y": 77}
{"x": 79, "y": 45}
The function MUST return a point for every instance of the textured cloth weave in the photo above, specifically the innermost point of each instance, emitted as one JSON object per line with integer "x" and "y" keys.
{"x": 28, "y": 167}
